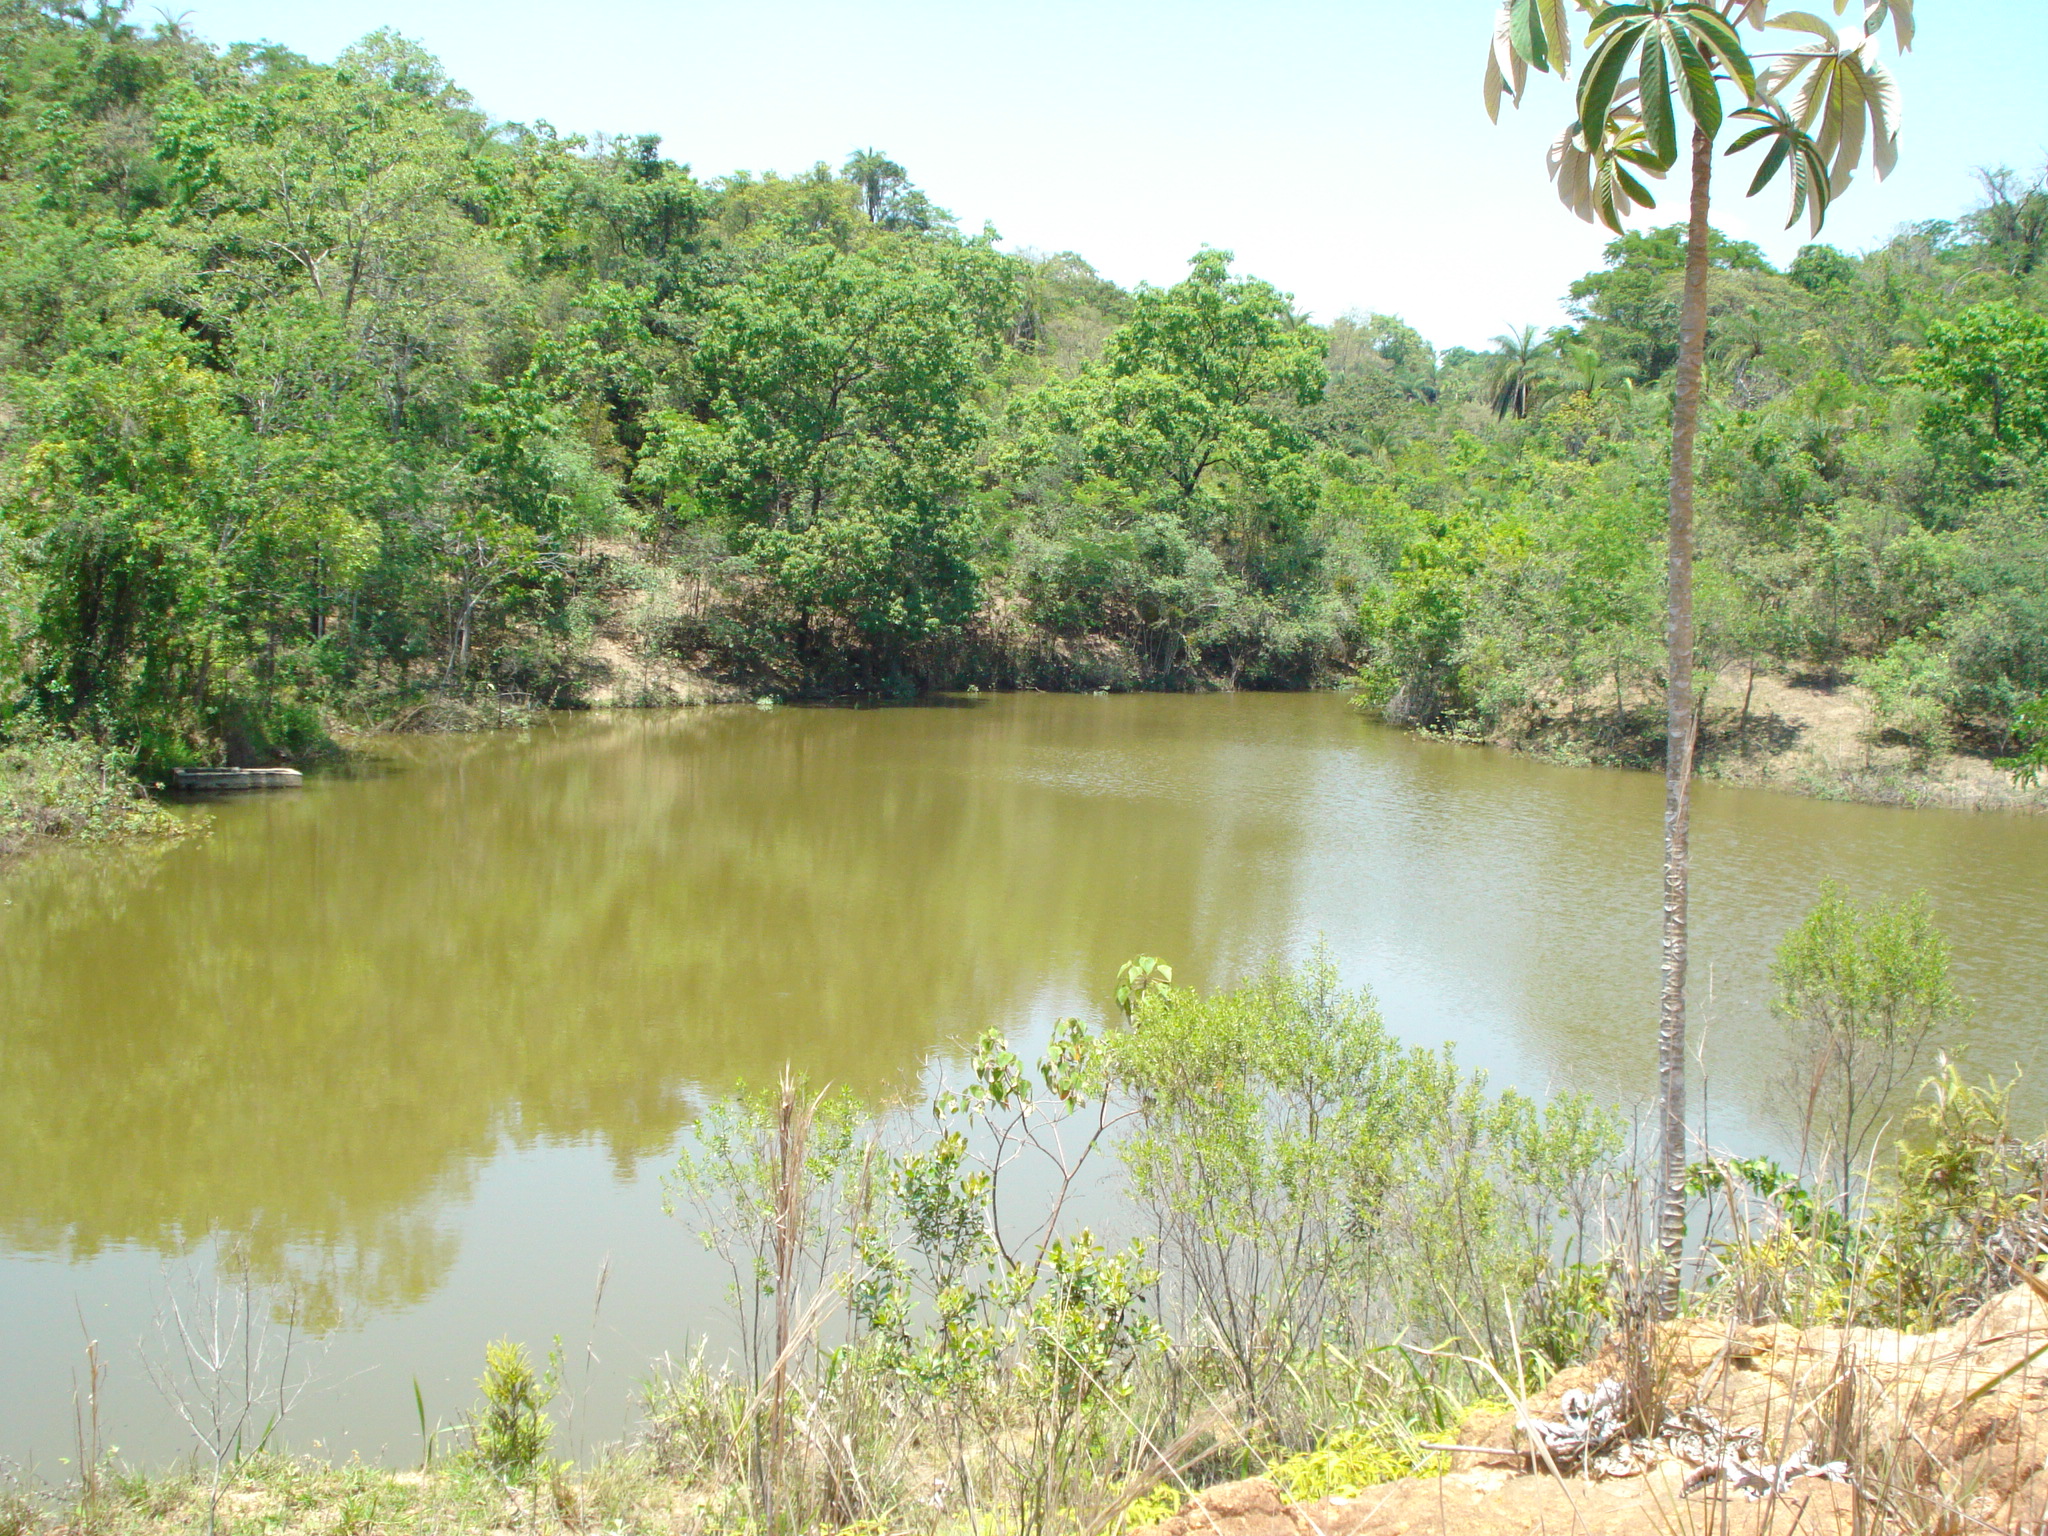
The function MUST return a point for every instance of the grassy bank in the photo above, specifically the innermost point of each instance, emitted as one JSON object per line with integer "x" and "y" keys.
{"x": 627, "y": 1488}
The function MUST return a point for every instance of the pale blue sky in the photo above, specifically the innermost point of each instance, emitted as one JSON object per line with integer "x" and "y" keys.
{"x": 1339, "y": 149}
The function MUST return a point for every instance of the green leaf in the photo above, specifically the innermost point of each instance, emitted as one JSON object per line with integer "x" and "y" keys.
{"x": 1794, "y": 151}
{"x": 1604, "y": 72}
{"x": 1507, "y": 72}
{"x": 1526, "y": 30}
{"x": 1696, "y": 82}
{"x": 1659, "y": 122}
{"x": 1571, "y": 167}
{"x": 1636, "y": 189}
{"x": 1901, "y": 12}
{"x": 1805, "y": 21}
{"x": 1717, "y": 38}
{"x": 1816, "y": 188}
{"x": 1557, "y": 29}
{"x": 1606, "y": 194}
{"x": 1771, "y": 164}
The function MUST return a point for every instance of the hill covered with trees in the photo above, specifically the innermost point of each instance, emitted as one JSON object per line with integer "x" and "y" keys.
{"x": 324, "y": 394}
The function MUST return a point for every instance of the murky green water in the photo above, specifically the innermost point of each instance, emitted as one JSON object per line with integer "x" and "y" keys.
{"x": 421, "y": 1041}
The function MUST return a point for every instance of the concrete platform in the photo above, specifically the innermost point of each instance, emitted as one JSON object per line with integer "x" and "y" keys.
{"x": 236, "y": 778}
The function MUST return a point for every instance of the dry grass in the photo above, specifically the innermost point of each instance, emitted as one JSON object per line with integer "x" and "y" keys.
{"x": 1934, "y": 1434}
{"x": 1942, "y": 1433}
{"x": 1938, "y": 1429}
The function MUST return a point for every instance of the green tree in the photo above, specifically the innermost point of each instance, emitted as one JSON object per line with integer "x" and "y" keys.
{"x": 529, "y": 493}
{"x": 1582, "y": 368}
{"x": 1988, "y": 370}
{"x": 877, "y": 177}
{"x": 2014, "y": 220}
{"x": 1630, "y": 308}
{"x": 1189, "y": 389}
{"x": 1177, "y": 492}
{"x": 1414, "y": 622}
{"x": 841, "y": 424}
{"x": 131, "y": 496}
{"x": 2030, "y": 728}
{"x": 1517, "y": 369}
{"x": 1868, "y": 986}
{"x": 1816, "y": 109}
{"x": 1821, "y": 268}
{"x": 338, "y": 178}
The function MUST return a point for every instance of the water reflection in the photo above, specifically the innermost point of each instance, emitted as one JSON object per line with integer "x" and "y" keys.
{"x": 309, "y": 1028}
{"x": 365, "y": 1031}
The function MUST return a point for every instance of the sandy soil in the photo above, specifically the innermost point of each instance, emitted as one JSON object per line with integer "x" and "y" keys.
{"x": 1817, "y": 740}
{"x": 628, "y": 678}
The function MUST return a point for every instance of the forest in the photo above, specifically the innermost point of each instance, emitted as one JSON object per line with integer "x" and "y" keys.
{"x": 327, "y": 400}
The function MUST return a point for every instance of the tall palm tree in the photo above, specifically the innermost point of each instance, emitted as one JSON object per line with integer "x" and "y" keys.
{"x": 1815, "y": 109}
{"x": 877, "y": 176}
{"x": 1511, "y": 382}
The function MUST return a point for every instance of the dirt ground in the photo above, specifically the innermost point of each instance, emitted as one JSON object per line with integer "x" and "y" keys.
{"x": 1941, "y": 1431}
{"x": 627, "y": 677}
{"x": 1814, "y": 739}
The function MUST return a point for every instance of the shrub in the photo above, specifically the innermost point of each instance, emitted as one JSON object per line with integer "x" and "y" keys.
{"x": 56, "y": 785}
{"x": 1346, "y": 1464}
{"x": 1867, "y": 987}
{"x": 511, "y": 1430}
{"x": 1963, "y": 1209}
{"x": 1955, "y": 1220}
{"x": 1912, "y": 690}
{"x": 1310, "y": 1180}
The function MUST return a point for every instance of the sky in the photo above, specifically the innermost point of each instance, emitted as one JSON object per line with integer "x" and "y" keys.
{"x": 1340, "y": 150}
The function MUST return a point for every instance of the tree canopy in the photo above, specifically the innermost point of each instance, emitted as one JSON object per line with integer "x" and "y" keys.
{"x": 321, "y": 389}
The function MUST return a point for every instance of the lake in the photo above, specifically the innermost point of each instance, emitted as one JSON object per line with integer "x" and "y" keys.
{"x": 420, "y": 1041}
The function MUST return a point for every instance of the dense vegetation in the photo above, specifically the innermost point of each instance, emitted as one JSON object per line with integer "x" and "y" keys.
{"x": 325, "y": 393}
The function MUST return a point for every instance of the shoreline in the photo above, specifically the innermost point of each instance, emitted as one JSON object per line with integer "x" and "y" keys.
{"x": 1817, "y": 741}
{"x": 1809, "y": 740}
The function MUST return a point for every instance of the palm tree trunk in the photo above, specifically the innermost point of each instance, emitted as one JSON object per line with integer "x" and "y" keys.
{"x": 1680, "y": 727}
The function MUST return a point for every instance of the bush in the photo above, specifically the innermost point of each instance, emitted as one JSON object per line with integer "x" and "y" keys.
{"x": 1912, "y": 690}
{"x": 512, "y": 1430}
{"x": 1866, "y": 988}
{"x": 1956, "y": 1219}
{"x": 1963, "y": 1212}
{"x": 57, "y": 786}
{"x": 18, "y": 1513}
{"x": 1319, "y": 1195}
{"x": 1346, "y": 1464}
{"x": 1311, "y": 1181}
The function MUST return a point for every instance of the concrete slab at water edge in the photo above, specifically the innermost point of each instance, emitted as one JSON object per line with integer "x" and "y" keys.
{"x": 227, "y": 779}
